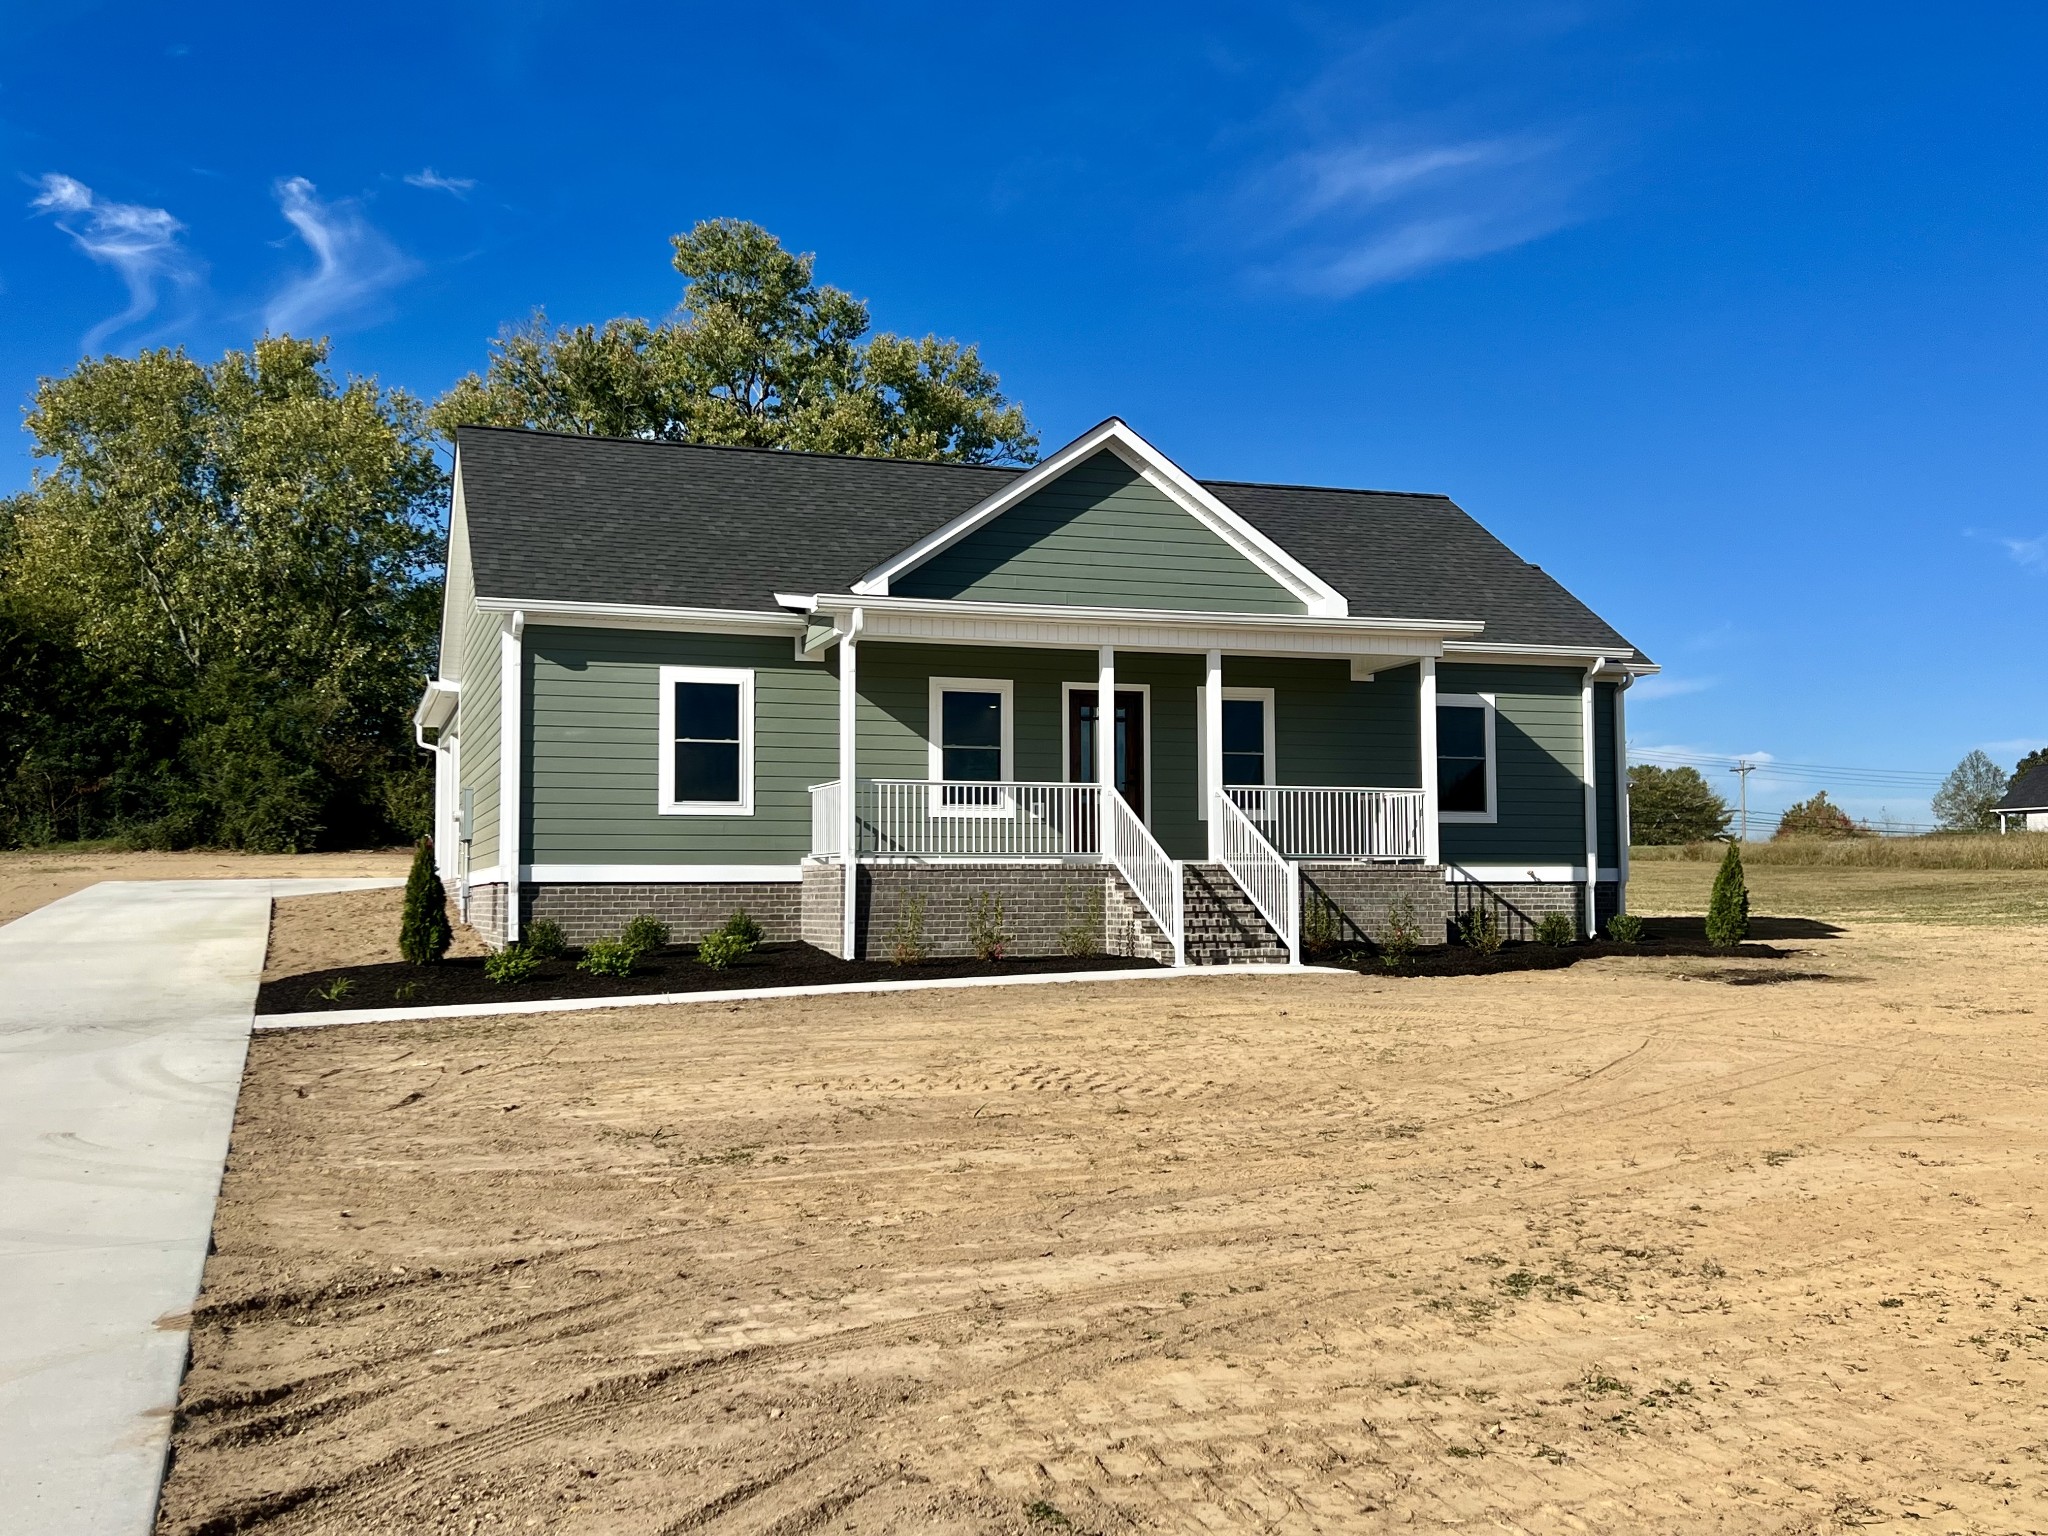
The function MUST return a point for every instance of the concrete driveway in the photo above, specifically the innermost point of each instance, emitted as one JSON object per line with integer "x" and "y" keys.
{"x": 124, "y": 1017}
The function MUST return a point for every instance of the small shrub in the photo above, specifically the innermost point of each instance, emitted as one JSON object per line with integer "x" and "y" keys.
{"x": 514, "y": 963}
{"x": 1625, "y": 928}
{"x": 1081, "y": 937}
{"x": 907, "y": 943}
{"x": 986, "y": 935}
{"x": 742, "y": 925}
{"x": 1404, "y": 934}
{"x": 1557, "y": 930}
{"x": 644, "y": 935}
{"x": 608, "y": 957}
{"x": 406, "y": 992}
{"x": 545, "y": 940}
{"x": 423, "y": 933}
{"x": 1728, "y": 907}
{"x": 1322, "y": 926}
{"x": 1480, "y": 929}
{"x": 334, "y": 991}
{"x": 724, "y": 948}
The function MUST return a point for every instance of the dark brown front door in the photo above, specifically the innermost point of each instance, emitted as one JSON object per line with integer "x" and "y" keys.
{"x": 1130, "y": 742}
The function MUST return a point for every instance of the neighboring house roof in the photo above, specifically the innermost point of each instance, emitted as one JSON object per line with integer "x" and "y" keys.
{"x": 554, "y": 517}
{"x": 2028, "y": 792}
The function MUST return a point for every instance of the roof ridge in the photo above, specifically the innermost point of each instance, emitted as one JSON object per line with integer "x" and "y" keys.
{"x": 1334, "y": 490}
{"x": 785, "y": 453}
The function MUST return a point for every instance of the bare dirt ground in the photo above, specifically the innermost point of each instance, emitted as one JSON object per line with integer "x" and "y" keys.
{"x": 1620, "y": 1248}
{"x": 36, "y": 877}
{"x": 311, "y": 933}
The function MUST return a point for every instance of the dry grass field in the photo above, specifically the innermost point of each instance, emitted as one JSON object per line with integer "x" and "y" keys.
{"x": 33, "y": 877}
{"x": 1636, "y": 1246}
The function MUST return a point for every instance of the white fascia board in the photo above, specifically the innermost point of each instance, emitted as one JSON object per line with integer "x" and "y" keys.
{"x": 1583, "y": 655}
{"x": 437, "y": 704}
{"x": 640, "y": 616}
{"x": 1522, "y": 874}
{"x": 1437, "y": 630}
{"x": 1321, "y": 599}
{"x": 458, "y": 535}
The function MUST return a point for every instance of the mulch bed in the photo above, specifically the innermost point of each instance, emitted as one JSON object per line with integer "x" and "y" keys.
{"x": 674, "y": 969}
{"x": 1665, "y": 938}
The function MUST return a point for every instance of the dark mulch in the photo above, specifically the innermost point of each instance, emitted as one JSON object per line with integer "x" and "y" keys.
{"x": 674, "y": 969}
{"x": 1668, "y": 938}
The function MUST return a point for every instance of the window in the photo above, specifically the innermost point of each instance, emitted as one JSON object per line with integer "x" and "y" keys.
{"x": 1247, "y": 739}
{"x": 1464, "y": 757}
{"x": 707, "y": 741}
{"x": 970, "y": 736}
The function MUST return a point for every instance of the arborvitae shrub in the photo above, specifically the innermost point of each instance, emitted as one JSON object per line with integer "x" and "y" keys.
{"x": 423, "y": 934}
{"x": 1728, "y": 907}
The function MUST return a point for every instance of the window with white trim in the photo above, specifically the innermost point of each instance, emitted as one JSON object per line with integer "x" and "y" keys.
{"x": 1466, "y": 784}
{"x": 707, "y": 741}
{"x": 970, "y": 736}
{"x": 1248, "y": 740}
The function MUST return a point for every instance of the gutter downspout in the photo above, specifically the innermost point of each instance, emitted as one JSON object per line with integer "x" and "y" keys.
{"x": 849, "y": 852}
{"x": 511, "y": 671}
{"x": 1592, "y": 800}
{"x": 1622, "y": 828}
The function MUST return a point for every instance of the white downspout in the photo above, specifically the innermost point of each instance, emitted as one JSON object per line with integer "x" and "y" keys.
{"x": 1622, "y": 826}
{"x": 849, "y": 852}
{"x": 1592, "y": 799}
{"x": 509, "y": 676}
{"x": 1432, "y": 809}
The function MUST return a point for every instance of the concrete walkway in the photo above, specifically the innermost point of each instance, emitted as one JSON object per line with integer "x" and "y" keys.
{"x": 124, "y": 1018}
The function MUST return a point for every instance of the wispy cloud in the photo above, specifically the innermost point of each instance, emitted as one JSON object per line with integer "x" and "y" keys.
{"x": 1659, "y": 685}
{"x": 430, "y": 180}
{"x": 353, "y": 261}
{"x": 138, "y": 242}
{"x": 2032, "y": 553}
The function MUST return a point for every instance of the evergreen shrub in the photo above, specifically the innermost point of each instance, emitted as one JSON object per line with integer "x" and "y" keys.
{"x": 1728, "y": 906}
{"x": 1557, "y": 930}
{"x": 545, "y": 940}
{"x": 513, "y": 963}
{"x": 423, "y": 932}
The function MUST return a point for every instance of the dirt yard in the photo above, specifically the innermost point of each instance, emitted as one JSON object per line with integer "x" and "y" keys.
{"x": 37, "y": 877}
{"x": 1628, "y": 1247}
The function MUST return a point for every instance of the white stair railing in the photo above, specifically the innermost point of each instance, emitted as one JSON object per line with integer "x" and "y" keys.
{"x": 1273, "y": 883}
{"x": 1340, "y": 822}
{"x": 825, "y": 822}
{"x": 1149, "y": 872}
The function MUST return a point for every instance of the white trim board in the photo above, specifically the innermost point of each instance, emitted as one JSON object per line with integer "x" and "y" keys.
{"x": 1315, "y": 594}
{"x": 1489, "y": 704}
{"x": 1266, "y": 696}
{"x": 642, "y": 874}
{"x": 1521, "y": 874}
{"x": 935, "y": 752}
{"x": 645, "y": 616}
{"x": 666, "y": 803}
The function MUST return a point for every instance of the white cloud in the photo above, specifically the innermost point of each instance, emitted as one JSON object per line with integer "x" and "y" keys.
{"x": 353, "y": 261}
{"x": 138, "y": 242}
{"x": 2028, "y": 552}
{"x": 1648, "y": 690}
{"x": 430, "y": 180}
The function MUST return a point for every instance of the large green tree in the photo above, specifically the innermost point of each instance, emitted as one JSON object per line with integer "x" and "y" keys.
{"x": 760, "y": 354}
{"x": 1673, "y": 805}
{"x": 235, "y": 564}
{"x": 1964, "y": 801}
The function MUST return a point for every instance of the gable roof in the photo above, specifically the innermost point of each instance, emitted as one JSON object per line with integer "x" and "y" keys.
{"x": 559, "y": 518}
{"x": 2028, "y": 792}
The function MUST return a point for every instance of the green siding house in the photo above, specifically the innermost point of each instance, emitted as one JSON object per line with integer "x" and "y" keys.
{"x": 842, "y": 691}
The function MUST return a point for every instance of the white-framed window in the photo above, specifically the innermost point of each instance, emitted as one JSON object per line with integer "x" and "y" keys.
{"x": 707, "y": 741}
{"x": 1467, "y": 785}
{"x": 969, "y": 740}
{"x": 1248, "y": 740}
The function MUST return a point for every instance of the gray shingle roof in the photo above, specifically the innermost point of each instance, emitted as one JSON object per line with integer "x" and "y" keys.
{"x": 607, "y": 520}
{"x": 2028, "y": 792}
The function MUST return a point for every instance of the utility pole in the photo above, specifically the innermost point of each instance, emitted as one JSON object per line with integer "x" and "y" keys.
{"x": 1743, "y": 769}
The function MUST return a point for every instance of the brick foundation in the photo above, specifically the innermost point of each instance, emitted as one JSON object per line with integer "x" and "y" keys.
{"x": 691, "y": 909}
{"x": 824, "y": 899}
{"x": 1039, "y": 901}
{"x": 1519, "y": 905}
{"x": 1364, "y": 895}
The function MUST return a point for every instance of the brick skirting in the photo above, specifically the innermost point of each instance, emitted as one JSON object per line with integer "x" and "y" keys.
{"x": 1039, "y": 901}
{"x": 690, "y": 908}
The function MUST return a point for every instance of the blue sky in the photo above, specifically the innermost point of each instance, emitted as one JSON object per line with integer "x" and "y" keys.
{"x": 1732, "y": 317}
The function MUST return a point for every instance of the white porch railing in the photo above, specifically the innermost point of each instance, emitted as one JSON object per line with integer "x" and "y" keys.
{"x": 1149, "y": 872}
{"x": 1335, "y": 823}
{"x": 920, "y": 819}
{"x": 825, "y": 820}
{"x": 1273, "y": 883}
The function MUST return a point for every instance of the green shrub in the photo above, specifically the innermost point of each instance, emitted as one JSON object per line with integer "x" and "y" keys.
{"x": 907, "y": 943}
{"x": 608, "y": 957}
{"x": 742, "y": 925}
{"x": 724, "y": 948}
{"x": 544, "y": 939}
{"x": 1625, "y": 928}
{"x": 334, "y": 991}
{"x": 1081, "y": 937}
{"x": 406, "y": 992}
{"x": 1728, "y": 907}
{"x": 644, "y": 935}
{"x": 1480, "y": 929}
{"x": 1322, "y": 926}
{"x": 986, "y": 935}
{"x": 423, "y": 933}
{"x": 513, "y": 963}
{"x": 1557, "y": 930}
{"x": 1404, "y": 934}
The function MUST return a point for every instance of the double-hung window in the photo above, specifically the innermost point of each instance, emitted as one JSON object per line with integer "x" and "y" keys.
{"x": 1248, "y": 732}
{"x": 1466, "y": 784}
{"x": 707, "y": 741}
{"x": 970, "y": 739}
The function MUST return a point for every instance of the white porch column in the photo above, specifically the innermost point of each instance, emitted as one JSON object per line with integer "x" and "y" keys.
{"x": 1621, "y": 825}
{"x": 1212, "y": 751}
{"x": 1105, "y": 746}
{"x": 849, "y": 851}
{"x": 1432, "y": 841}
{"x": 1587, "y": 736}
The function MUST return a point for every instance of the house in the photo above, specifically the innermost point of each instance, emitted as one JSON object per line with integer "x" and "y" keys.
{"x": 842, "y": 692}
{"x": 2024, "y": 806}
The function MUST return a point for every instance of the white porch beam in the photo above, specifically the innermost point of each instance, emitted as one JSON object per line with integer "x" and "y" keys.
{"x": 1212, "y": 749}
{"x": 1432, "y": 809}
{"x": 849, "y": 853}
{"x": 1105, "y": 746}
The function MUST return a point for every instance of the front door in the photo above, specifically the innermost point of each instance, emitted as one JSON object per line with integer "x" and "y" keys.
{"x": 1082, "y": 716}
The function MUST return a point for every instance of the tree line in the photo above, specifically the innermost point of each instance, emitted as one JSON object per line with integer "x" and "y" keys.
{"x": 220, "y": 594}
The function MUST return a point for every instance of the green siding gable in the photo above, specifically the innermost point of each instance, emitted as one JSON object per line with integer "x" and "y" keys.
{"x": 1100, "y": 535}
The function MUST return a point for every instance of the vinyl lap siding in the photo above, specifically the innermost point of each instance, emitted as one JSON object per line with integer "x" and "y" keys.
{"x": 1539, "y": 747}
{"x": 1329, "y": 730}
{"x": 1100, "y": 535}
{"x": 593, "y": 743}
{"x": 478, "y": 636}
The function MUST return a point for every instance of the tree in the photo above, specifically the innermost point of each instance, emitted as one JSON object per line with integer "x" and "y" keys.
{"x": 1964, "y": 801}
{"x": 759, "y": 354}
{"x": 1673, "y": 805}
{"x": 423, "y": 931}
{"x": 2034, "y": 759}
{"x": 1728, "y": 906}
{"x": 1818, "y": 817}
{"x": 236, "y": 562}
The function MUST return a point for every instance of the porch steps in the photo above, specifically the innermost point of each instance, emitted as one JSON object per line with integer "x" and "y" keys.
{"x": 1223, "y": 927}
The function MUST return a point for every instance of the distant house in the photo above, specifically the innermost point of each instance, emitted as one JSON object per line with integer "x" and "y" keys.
{"x": 843, "y": 691}
{"x": 2025, "y": 805}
